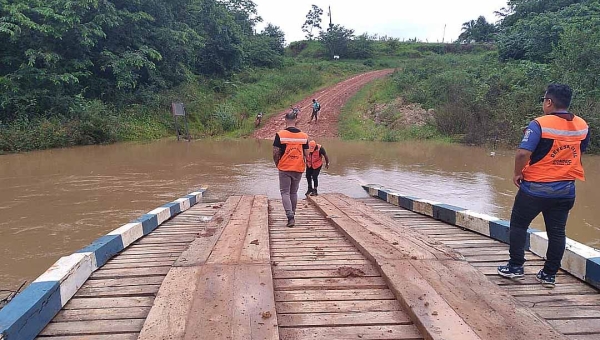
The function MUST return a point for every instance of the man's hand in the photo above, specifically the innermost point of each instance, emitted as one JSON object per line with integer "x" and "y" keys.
{"x": 521, "y": 159}
{"x": 276, "y": 155}
{"x": 517, "y": 179}
{"x": 327, "y": 166}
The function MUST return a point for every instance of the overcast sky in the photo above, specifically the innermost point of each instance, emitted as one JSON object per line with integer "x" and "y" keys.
{"x": 404, "y": 19}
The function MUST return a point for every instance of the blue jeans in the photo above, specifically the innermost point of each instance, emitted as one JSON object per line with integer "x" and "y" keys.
{"x": 555, "y": 212}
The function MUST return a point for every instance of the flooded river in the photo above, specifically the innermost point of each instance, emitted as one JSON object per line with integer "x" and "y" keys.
{"x": 57, "y": 201}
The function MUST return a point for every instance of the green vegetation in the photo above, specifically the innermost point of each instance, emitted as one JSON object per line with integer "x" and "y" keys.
{"x": 490, "y": 96}
{"x": 103, "y": 71}
{"x": 366, "y": 117}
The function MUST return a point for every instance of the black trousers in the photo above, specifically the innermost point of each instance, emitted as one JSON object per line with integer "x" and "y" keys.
{"x": 555, "y": 212}
{"x": 312, "y": 175}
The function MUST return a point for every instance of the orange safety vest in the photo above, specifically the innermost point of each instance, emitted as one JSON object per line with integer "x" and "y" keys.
{"x": 563, "y": 161}
{"x": 314, "y": 158}
{"x": 293, "y": 157}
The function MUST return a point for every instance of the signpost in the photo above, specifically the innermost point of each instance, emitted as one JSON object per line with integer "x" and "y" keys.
{"x": 178, "y": 110}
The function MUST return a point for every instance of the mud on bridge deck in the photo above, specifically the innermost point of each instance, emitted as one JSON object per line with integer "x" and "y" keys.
{"x": 349, "y": 269}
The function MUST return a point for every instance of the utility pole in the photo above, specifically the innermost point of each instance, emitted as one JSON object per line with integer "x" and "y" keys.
{"x": 444, "y": 36}
{"x": 330, "y": 20}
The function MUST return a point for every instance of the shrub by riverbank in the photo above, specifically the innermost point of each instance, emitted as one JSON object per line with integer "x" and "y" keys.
{"x": 215, "y": 107}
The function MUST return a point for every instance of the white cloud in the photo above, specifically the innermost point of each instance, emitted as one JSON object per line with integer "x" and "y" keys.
{"x": 404, "y": 19}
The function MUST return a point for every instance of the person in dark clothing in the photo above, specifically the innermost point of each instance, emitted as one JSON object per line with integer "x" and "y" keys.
{"x": 314, "y": 163}
{"x": 547, "y": 164}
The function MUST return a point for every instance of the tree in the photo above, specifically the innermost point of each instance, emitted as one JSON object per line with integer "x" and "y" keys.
{"x": 361, "y": 47}
{"x": 478, "y": 31}
{"x": 336, "y": 39}
{"x": 313, "y": 20}
{"x": 277, "y": 37}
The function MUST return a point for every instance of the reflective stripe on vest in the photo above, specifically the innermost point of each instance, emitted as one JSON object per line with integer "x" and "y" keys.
{"x": 563, "y": 161}
{"x": 293, "y": 157}
{"x": 314, "y": 158}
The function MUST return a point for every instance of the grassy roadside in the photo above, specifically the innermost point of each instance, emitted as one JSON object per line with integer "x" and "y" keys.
{"x": 371, "y": 115}
{"x": 215, "y": 107}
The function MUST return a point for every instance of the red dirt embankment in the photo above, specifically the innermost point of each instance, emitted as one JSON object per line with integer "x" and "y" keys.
{"x": 332, "y": 100}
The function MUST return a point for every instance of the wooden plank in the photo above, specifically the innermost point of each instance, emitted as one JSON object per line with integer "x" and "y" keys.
{"x": 334, "y": 295}
{"x": 140, "y": 264}
{"x": 330, "y": 283}
{"x": 343, "y": 319}
{"x": 561, "y": 289}
{"x": 565, "y": 313}
{"x": 121, "y": 336}
{"x": 312, "y": 265}
{"x": 168, "y": 316}
{"x": 118, "y": 291}
{"x": 404, "y": 332}
{"x": 337, "y": 306}
{"x": 228, "y": 248}
{"x": 297, "y": 274}
{"x": 96, "y": 303}
{"x": 255, "y": 248}
{"x": 377, "y": 236}
{"x": 102, "y": 314}
{"x": 124, "y": 281}
{"x": 318, "y": 257}
{"x": 338, "y": 263}
{"x": 229, "y": 302}
{"x": 560, "y": 300}
{"x": 579, "y": 326}
{"x": 199, "y": 250}
{"x": 93, "y": 327}
{"x": 487, "y": 308}
{"x": 434, "y": 317}
{"x": 130, "y": 272}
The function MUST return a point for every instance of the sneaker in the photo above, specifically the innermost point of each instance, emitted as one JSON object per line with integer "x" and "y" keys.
{"x": 547, "y": 280}
{"x": 308, "y": 192}
{"x": 511, "y": 272}
{"x": 314, "y": 193}
{"x": 291, "y": 222}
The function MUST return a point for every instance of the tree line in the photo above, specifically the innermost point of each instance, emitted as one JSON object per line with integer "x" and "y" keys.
{"x": 58, "y": 56}
{"x": 494, "y": 95}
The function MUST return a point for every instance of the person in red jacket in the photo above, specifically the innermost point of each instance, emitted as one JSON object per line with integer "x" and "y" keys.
{"x": 314, "y": 163}
{"x": 547, "y": 164}
{"x": 290, "y": 151}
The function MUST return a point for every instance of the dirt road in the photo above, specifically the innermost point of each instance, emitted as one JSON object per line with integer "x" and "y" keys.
{"x": 332, "y": 100}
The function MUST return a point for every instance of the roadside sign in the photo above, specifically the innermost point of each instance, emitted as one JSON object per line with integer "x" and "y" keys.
{"x": 177, "y": 109}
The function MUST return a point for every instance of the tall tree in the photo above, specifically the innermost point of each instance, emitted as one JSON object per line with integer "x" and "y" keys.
{"x": 336, "y": 39}
{"x": 478, "y": 31}
{"x": 313, "y": 20}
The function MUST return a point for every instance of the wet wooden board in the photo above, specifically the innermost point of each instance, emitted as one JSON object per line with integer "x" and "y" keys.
{"x": 115, "y": 301}
{"x": 224, "y": 287}
{"x": 313, "y": 299}
{"x": 464, "y": 295}
{"x": 571, "y": 300}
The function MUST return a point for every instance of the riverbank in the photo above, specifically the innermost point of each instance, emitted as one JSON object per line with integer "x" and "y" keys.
{"x": 215, "y": 107}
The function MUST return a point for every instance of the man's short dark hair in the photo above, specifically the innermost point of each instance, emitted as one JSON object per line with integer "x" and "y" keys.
{"x": 291, "y": 116}
{"x": 560, "y": 94}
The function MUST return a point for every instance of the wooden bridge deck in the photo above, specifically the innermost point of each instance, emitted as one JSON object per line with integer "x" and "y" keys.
{"x": 116, "y": 299}
{"x": 572, "y": 307}
{"x": 350, "y": 269}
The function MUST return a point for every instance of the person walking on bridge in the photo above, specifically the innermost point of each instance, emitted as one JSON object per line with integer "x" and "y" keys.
{"x": 547, "y": 164}
{"x": 314, "y": 163}
{"x": 290, "y": 151}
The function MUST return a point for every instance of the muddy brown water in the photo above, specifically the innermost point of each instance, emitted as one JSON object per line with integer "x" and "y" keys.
{"x": 55, "y": 202}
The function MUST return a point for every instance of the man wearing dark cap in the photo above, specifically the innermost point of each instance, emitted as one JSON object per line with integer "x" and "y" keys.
{"x": 290, "y": 151}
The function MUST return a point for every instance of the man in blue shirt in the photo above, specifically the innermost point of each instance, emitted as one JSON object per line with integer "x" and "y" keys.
{"x": 546, "y": 165}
